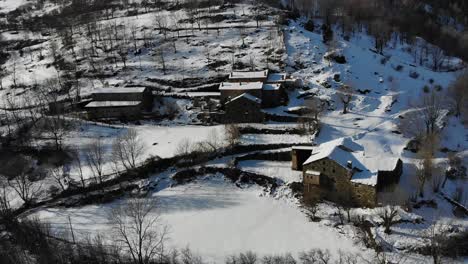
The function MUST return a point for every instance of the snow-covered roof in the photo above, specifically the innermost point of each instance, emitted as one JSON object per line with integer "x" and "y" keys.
{"x": 95, "y": 104}
{"x": 271, "y": 86}
{"x": 345, "y": 151}
{"x": 120, "y": 90}
{"x": 247, "y": 96}
{"x": 241, "y": 86}
{"x": 248, "y": 74}
{"x": 276, "y": 77}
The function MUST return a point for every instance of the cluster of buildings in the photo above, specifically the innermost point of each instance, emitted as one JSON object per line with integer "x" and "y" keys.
{"x": 122, "y": 103}
{"x": 342, "y": 169}
{"x": 244, "y": 94}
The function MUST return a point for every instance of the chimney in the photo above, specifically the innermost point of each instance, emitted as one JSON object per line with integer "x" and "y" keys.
{"x": 349, "y": 164}
{"x": 265, "y": 73}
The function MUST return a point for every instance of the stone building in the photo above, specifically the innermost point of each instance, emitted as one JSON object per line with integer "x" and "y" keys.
{"x": 269, "y": 87}
{"x": 299, "y": 154}
{"x": 230, "y": 90}
{"x": 252, "y": 76}
{"x": 114, "y": 109}
{"x": 141, "y": 94}
{"x": 124, "y": 103}
{"x": 244, "y": 108}
{"x": 342, "y": 171}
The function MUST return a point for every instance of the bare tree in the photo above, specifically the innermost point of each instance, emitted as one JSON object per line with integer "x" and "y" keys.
{"x": 391, "y": 202}
{"x": 128, "y": 149}
{"x": 137, "y": 226}
{"x": 184, "y": 147}
{"x": 161, "y": 21}
{"x": 346, "y": 94}
{"x": 95, "y": 158}
{"x": 232, "y": 134}
{"x": 437, "y": 57}
{"x": 458, "y": 92}
{"x": 26, "y": 189}
{"x": 60, "y": 176}
{"x": 432, "y": 112}
{"x": 316, "y": 107}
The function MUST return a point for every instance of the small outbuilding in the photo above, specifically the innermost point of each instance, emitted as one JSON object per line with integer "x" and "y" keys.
{"x": 244, "y": 108}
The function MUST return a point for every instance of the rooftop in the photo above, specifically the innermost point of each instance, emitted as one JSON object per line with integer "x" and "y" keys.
{"x": 247, "y": 96}
{"x": 120, "y": 90}
{"x": 276, "y": 77}
{"x": 241, "y": 86}
{"x": 248, "y": 74}
{"x": 96, "y": 104}
{"x": 271, "y": 86}
{"x": 345, "y": 151}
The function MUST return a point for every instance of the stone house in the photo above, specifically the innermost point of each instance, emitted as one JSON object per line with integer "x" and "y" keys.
{"x": 114, "y": 109}
{"x": 269, "y": 87}
{"x": 124, "y": 103}
{"x": 342, "y": 171}
{"x": 299, "y": 154}
{"x": 141, "y": 94}
{"x": 230, "y": 90}
{"x": 252, "y": 76}
{"x": 244, "y": 108}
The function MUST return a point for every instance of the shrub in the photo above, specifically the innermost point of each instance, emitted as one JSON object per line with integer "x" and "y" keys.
{"x": 414, "y": 74}
{"x": 309, "y": 25}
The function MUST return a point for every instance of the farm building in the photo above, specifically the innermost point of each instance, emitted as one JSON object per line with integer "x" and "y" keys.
{"x": 248, "y": 76}
{"x": 269, "y": 87}
{"x": 230, "y": 90}
{"x": 126, "y": 103}
{"x": 244, "y": 108}
{"x": 114, "y": 109}
{"x": 342, "y": 168}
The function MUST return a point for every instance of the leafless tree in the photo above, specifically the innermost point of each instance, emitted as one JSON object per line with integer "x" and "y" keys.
{"x": 184, "y": 147}
{"x": 128, "y": 149}
{"x": 437, "y": 56}
{"x": 26, "y": 189}
{"x": 458, "y": 92}
{"x": 232, "y": 134}
{"x": 316, "y": 106}
{"x": 161, "y": 21}
{"x": 432, "y": 112}
{"x": 391, "y": 202}
{"x": 315, "y": 256}
{"x": 95, "y": 158}
{"x": 346, "y": 94}
{"x": 60, "y": 176}
{"x": 161, "y": 58}
{"x": 78, "y": 165}
{"x": 138, "y": 227}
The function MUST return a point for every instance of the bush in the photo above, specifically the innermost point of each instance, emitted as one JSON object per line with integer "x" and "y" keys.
{"x": 414, "y": 74}
{"x": 309, "y": 25}
{"x": 426, "y": 89}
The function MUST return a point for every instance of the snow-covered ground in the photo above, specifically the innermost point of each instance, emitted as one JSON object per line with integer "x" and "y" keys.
{"x": 158, "y": 141}
{"x": 217, "y": 219}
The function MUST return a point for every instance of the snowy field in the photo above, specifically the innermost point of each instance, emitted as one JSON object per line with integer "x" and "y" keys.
{"x": 159, "y": 141}
{"x": 217, "y": 219}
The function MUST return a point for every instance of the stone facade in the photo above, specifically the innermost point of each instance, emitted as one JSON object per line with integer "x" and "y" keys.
{"x": 121, "y": 94}
{"x": 129, "y": 112}
{"x": 243, "y": 110}
{"x": 299, "y": 155}
{"x": 334, "y": 183}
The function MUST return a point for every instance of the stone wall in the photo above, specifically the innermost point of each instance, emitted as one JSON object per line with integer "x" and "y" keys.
{"x": 335, "y": 185}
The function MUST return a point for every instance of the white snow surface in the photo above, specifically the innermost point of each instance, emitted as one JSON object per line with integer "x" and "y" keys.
{"x": 217, "y": 219}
